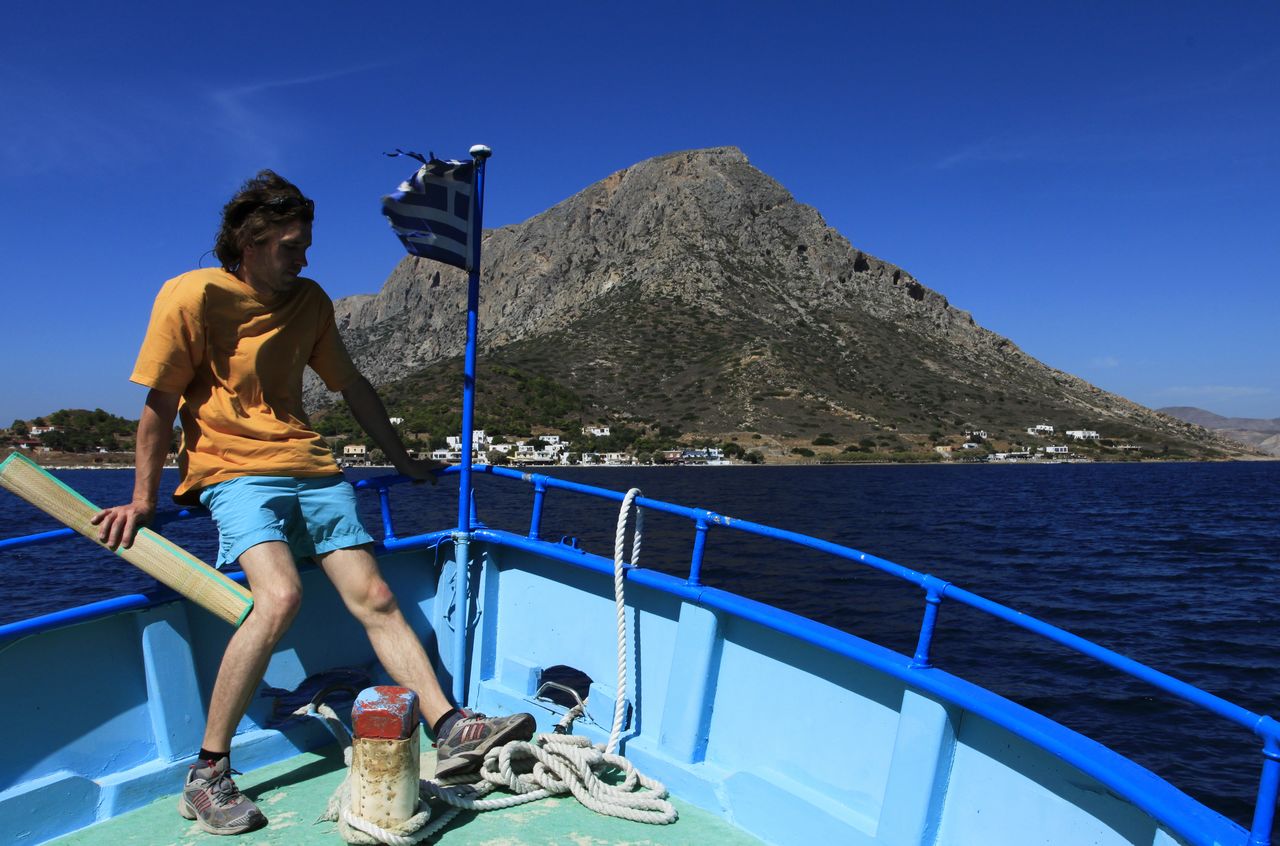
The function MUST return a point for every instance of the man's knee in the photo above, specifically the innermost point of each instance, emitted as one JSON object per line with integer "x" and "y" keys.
{"x": 356, "y": 575}
{"x": 277, "y": 604}
{"x": 379, "y": 599}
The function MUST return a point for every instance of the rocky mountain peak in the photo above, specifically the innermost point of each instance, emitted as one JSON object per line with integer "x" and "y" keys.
{"x": 679, "y": 224}
{"x": 694, "y": 281}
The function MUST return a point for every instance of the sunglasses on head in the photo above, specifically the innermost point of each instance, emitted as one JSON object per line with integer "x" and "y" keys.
{"x": 277, "y": 205}
{"x": 289, "y": 203}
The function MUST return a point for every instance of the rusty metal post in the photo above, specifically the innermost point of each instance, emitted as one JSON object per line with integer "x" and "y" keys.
{"x": 384, "y": 755}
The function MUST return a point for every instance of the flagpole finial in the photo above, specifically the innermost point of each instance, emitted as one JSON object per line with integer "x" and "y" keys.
{"x": 480, "y": 151}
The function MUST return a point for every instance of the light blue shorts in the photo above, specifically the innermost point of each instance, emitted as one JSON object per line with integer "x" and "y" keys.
{"x": 312, "y": 515}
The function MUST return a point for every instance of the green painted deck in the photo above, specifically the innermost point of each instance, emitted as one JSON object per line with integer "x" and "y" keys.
{"x": 294, "y": 793}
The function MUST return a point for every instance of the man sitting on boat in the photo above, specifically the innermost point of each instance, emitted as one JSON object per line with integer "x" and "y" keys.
{"x": 226, "y": 348}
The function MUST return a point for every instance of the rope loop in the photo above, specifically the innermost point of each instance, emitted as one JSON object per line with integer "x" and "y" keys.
{"x": 549, "y": 765}
{"x": 558, "y": 765}
{"x": 620, "y": 606}
{"x": 552, "y": 764}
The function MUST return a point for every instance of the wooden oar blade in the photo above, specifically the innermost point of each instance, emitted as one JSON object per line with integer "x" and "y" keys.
{"x": 161, "y": 559}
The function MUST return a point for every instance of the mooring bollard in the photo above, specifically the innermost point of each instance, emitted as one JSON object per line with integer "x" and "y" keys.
{"x": 384, "y": 755}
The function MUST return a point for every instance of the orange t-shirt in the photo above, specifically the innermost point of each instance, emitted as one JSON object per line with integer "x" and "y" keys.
{"x": 238, "y": 363}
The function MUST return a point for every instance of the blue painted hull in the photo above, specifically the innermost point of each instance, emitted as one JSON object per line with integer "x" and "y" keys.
{"x": 792, "y": 731}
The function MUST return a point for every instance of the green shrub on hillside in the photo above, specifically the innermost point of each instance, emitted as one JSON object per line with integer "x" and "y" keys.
{"x": 80, "y": 430}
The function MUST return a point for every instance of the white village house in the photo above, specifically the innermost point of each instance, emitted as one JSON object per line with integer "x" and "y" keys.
{"x": 479, "y": 441}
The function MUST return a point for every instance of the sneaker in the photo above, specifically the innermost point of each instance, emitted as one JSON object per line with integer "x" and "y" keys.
{"x": 212, "y": 799}
{"x": 462, "y": 750}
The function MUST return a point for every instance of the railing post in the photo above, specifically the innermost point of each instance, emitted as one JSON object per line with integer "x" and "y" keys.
{"x": 699, "y": 544}
{"x": 539, "y": 493}
{"x": 384, "y": 499}
{"x": 1264, "y": 812}
{"x": 933, "y": 587}
{"x": 462, "y": 606}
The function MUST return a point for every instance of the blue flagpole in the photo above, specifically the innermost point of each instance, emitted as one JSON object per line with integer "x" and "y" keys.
{"x": 462, "y": 538}
{"x": 479, "y": 152}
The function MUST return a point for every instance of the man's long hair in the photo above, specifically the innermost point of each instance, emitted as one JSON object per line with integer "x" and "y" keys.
{"x": 263, "y": 203}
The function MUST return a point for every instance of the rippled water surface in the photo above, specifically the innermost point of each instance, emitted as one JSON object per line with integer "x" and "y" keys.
{"x": 1175, "y": 565}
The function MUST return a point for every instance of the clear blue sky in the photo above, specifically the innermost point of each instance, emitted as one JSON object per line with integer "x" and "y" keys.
{"x": 1100, "y": 182}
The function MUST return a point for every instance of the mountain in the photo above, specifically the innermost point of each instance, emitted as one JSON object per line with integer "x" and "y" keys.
{"x": 691, "y": 290}
{"x": 1259, "y": 433}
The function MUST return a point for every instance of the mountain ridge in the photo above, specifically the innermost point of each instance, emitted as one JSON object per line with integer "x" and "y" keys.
{"x": 1260, "y": 433}
{"x": 693, "y": 288}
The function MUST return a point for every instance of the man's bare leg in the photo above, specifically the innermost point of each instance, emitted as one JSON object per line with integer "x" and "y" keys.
{"x": 277, "y": 595}
{"x": 354, "y": 572}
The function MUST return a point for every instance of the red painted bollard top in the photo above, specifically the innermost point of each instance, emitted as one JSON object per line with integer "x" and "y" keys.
{"x": 384, "y": 713}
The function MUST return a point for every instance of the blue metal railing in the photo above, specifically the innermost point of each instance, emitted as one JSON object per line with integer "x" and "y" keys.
{"x": 935, "y": 590}
{"x": 161, "y": 518}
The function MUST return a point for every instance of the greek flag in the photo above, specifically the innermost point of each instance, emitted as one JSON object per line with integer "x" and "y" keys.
{"x": 431, "y": 212}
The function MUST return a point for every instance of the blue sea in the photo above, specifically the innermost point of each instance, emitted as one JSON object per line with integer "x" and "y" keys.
{"x": 1175, "y": 565}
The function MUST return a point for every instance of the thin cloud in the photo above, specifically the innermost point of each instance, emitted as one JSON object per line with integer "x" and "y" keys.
{"x": 987, "y": 151}
{"x": 62, "y": 130}
{"x": 67, "y": 130}
{"x": 237, "y": 92}
{"x": 1056, "y": 147}
{"x": 1160, "y": 90}
{"x": 1067, "y": 147}
{"x": 255, "y": 128}
{"x": 1066, "y": 144}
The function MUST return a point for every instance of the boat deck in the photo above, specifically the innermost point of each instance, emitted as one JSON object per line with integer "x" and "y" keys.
{"x": 294, "y": 793}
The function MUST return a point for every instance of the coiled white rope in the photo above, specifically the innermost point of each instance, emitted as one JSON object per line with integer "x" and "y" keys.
{"x": 558, "y": 764}
{"x": 550, "y": 765}
{"x": 355, "y": 830}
